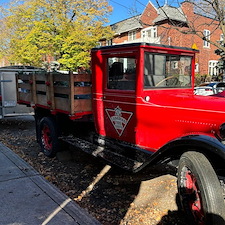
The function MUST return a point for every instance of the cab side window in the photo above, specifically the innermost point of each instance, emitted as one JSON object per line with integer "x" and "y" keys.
{"x": 121, "y": 73}
{"x": 167, "y": 71}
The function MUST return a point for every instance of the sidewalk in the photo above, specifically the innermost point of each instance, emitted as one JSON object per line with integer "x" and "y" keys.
{"x": 26, "y": 198}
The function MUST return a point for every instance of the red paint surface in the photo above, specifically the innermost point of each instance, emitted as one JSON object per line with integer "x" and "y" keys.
{"x": 169, "y": 114}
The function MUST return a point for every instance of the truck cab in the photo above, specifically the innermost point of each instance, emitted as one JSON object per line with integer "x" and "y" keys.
{"x": 143, "y": 94}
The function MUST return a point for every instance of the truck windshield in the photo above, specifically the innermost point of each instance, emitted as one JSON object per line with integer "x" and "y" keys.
{"x": 167, "y": 71}
{"x": 121, "y": 73}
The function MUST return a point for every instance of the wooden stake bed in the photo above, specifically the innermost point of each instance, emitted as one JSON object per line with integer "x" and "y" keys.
{"x": 58, "y": 92}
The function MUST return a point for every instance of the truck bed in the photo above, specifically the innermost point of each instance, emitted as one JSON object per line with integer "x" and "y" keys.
{"x": 59, "y": 92}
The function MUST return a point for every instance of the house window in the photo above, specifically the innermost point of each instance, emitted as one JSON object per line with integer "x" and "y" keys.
{"x": 131, "y": 35}
{"x": 222, "y": 40}
{"x": 150, "y": 32}
{"x": 196, "y": 68}
{"x": 213, "y": 67}
{"x": 109, "y": 42}
{"x": 206, "y": 44}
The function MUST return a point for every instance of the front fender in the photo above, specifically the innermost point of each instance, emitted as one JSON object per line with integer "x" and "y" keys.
{"x": 212, "y": 148}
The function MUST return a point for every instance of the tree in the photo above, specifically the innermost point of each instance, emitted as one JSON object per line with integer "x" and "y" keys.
{"x": 63, "y": 29}
{"x": 212, "y": 9}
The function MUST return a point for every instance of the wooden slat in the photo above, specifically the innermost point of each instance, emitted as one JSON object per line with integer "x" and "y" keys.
{"x": 71, "y": 93}
{"x": 51, "y": 91}
{"x": 41, "y": 87}
{"x": 82, "y": 90}
{"x": 34, "y": 89}
{"x": 62, "y": 90}
{"x": 40, "y": 77}
{"x": 42, "y": 100}
{"x": 62, "y": 104}
{"x": 82, "y": 77}
{"x": 82, "y": 105}
{"x": 24, "y": 86}
{"x": 61, "y": 77}
{"x": 27, "y": 97}
{"x": 24, "y": 76}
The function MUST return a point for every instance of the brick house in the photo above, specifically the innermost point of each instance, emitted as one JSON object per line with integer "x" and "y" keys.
{"x": 162, "y": 26}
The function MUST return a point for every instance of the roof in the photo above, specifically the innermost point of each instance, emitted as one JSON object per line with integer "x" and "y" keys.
{"x": 169, "y": 12}
{"x": 127, "y": 25}
{"x": 136, "y": 44}
{"x": 164, "y": 13}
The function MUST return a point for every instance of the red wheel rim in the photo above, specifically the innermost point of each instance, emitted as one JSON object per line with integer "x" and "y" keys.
{"x": 46, "y": 138}
{"x": 194, "y": 197}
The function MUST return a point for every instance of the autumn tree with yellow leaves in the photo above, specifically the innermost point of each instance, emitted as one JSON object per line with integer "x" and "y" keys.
{"x": 64, "y": 29}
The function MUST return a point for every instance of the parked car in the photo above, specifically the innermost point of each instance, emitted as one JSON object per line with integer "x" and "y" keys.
{"x": 211, "y": 88}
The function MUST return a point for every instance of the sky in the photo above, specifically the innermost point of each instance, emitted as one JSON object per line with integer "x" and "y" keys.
{"x": 123, "y": 9}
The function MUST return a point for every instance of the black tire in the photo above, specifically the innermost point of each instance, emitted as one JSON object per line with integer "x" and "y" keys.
{"x": 200, "y": 190}
{"x": 48, "y": 133}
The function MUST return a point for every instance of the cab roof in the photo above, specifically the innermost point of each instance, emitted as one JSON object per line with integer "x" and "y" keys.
{"x": 144, "y": 44}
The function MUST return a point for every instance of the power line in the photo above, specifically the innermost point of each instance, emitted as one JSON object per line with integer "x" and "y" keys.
{"x": 119, "y": 4}
{"x": 126, "y": 6}
{"x": 140, "y": 3}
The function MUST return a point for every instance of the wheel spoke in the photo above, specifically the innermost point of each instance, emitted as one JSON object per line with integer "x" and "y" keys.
{"x": 46, "y": 138}
{"x": 194, "y": 196}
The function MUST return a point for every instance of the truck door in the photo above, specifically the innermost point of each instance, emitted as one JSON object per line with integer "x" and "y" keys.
{"x": 8, "y": 103}
{"x": 119, "y": 97}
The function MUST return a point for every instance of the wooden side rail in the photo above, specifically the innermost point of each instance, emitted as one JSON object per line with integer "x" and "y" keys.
{"x": 58, "y": 92}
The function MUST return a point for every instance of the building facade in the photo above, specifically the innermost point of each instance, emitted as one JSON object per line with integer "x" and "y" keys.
{"x": 170, "y": 26}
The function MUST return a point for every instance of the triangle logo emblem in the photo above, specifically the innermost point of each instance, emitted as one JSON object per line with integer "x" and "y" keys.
{"x": 119, "y": 119}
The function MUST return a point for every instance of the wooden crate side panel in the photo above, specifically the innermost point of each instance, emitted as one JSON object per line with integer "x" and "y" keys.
{"x": 24, "y": 97}
{"x": 61, "y": 77}
{"x": 24, "y": 92}
{"x": 41, "y": 77}
{"x": 82, "y": 90}
{"x": 61, "y": 90}
{"x": 41, "y": 88}
{"x": 62, "y": 104}
{"x": 41, "y": 100}
{"x": 82, "y": 77}
{"x": 64, "y": 92}
{"x": 24, "y": 86}
{"x": 82, "y": 105}
{"x": 82, "y": 93}
{"x": 24, "y": 77}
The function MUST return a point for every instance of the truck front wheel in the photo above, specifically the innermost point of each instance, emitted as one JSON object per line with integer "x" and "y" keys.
{"x": 48, "y": 136}
{"x": 200, "y": 190}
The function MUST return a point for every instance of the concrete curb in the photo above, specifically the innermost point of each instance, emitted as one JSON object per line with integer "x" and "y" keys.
{"x": 27, "y": 198}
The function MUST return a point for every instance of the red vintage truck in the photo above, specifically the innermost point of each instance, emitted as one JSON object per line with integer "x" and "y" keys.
{"x": 135, "y": 109}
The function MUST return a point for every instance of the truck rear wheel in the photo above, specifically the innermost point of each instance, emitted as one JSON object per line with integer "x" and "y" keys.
{"x": 49, "y": 136}
{"x": 200, "y": 190}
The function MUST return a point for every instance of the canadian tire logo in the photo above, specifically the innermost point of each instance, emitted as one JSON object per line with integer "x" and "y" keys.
{"x": 119, "y": 118}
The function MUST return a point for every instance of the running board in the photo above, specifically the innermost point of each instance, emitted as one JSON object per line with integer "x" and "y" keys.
{"x": 105, "y": 153}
